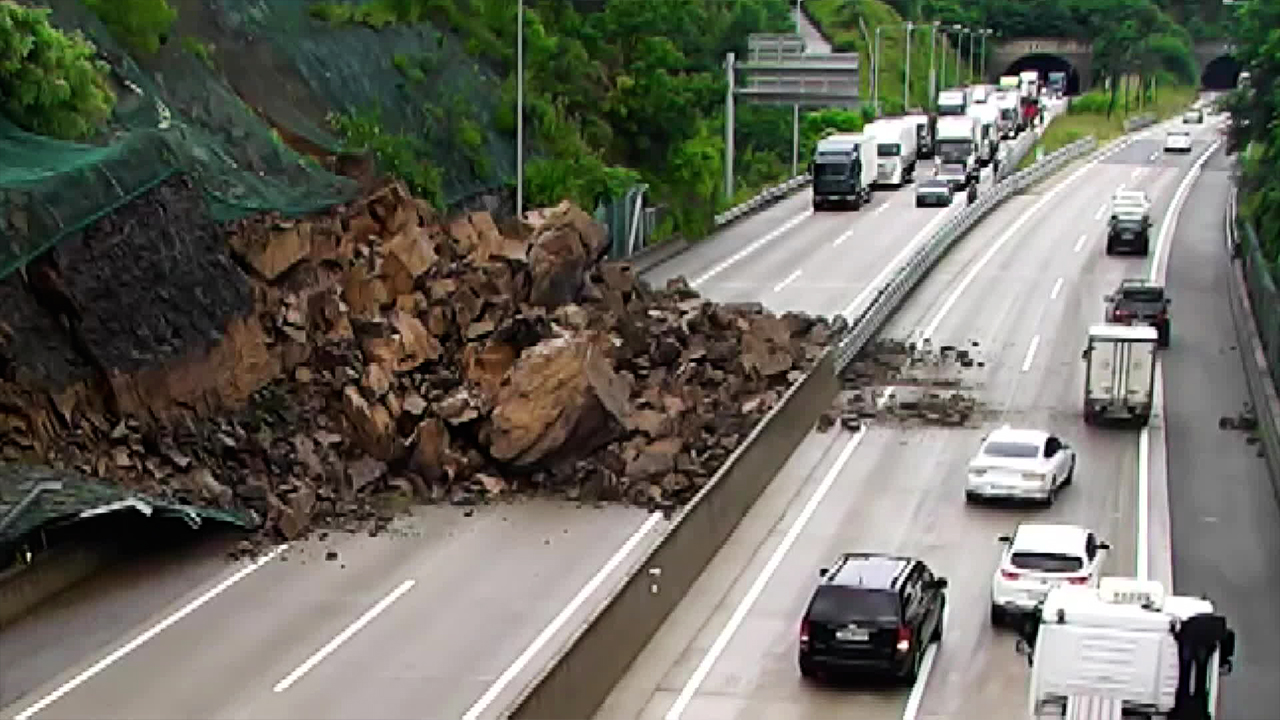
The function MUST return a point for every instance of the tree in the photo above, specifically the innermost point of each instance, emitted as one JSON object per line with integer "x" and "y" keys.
{"x": 1255, "y": 112}
{"x": 50, "y": 82}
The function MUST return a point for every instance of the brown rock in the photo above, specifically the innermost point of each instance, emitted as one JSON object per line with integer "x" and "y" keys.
{"x": 463, "y": 234}
{"x": 561, "y": 398}
{"x": 460, "y": 406}
{"x": 656, "y": 460}
{"x": 416, "y": 345}
{"x": 564, "y": 244}
{"x": 376, "y": 380}
{"x": 274, "y": 250}
{"x": 407, "y": 256}
{"x": 485, "y": 364}
{"x": 430, "y": 445}
{"x": 365, "y": 294}
{"x": 489, "y": 241}
{"x": 364, "y": 472}
{"x": 372, "y": 423}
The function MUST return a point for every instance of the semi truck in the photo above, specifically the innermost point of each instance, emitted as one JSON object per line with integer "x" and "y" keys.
{"x": 1009, "y": 82}
{"x": 1057, "y": 84}
{"x": 925, "y": 126}
{"x": 988, "y": 134}
{"x": 1006, "y": 103}
{"x": 958, "y": 142}
{"x": 1125, "y": 648}
{"x": 979, "y": 94}
{"x": 953, "y": 101}
{"x": 1029, "y": 82}
{"x": 843, "y": 169}
{"x": 895, "y": 150}
{"x": 1120, "y": 373}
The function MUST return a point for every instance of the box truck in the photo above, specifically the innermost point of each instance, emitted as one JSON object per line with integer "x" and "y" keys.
{"x": 1006, "y": 103}
{"x": 1009, "y": 82}
{"x": 895, "y": 150}
{"x": 988, "y": 134}
{"x": 1125, "y": 649}
{"x": 1120, "y": 373}
{"x": 843, "y": 169}
{"x": 957, "y": 142}
{"x": 924, "y": 125}
{"x": 954, "y": 101}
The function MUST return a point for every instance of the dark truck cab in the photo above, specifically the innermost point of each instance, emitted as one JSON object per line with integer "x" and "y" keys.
{"x": 1137, "y": 301}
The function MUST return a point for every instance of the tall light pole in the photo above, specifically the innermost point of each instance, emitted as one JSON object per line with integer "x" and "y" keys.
{"x": 875, "y": 74}
{"x": 961, "y": 32}
{"x": 983, "y": 53}
{"x": 933, "y": 76}
{"x": 906, "y": 71}
{"x": 519, "y": 109}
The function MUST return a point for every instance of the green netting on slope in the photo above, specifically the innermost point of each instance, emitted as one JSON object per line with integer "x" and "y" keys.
{"x": 49, "y": 188}
{"x": 419, "y": 81}
{"x": 179, "y": 115}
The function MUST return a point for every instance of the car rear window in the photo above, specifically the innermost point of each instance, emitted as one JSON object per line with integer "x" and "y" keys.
{"x": 835, "y": 604}
{"x": 1046, "y": 562}
{"x": 1143, "y": 294}
{"x": 997, "y": 448}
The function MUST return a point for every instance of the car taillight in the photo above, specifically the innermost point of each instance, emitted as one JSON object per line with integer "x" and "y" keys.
{"x": 1008, "y": 574}
{"x": 904, "y": 638}
{"x": 804, "y": 631}
{"x": 1078, "y": 579}
{"x": 1121, "y": 315}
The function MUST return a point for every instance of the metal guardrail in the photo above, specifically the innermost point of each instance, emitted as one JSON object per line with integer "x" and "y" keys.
{"x": 1139, "y": 122}
{"x": 764, "y": 198}
{"x": 890, "y": 297}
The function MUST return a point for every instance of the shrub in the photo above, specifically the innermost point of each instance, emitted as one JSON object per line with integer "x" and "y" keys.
{"x": 142, "y": 25}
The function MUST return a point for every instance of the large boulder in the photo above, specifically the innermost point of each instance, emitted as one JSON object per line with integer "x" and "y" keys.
{"x": 561, "y": 400}
{"x": 566, "y": 241}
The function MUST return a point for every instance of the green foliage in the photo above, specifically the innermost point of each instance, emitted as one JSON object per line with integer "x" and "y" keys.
{"x": 399, "y": 155}
{"x": 50, "y": 82}
{"x": 1255, "y": 114}
{"x": 201, "y": 50}
{"x": 142, "y": 25}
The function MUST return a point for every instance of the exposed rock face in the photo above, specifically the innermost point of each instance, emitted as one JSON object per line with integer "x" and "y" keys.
{"x": 390, "y": 356}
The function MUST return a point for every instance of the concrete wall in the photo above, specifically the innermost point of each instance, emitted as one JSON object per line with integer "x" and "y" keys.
{"x": 587, "y": 670}
{"x": 23, "y": 588}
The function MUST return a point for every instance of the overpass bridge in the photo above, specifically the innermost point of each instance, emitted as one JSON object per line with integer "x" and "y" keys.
{"x": 1215, "y": 62}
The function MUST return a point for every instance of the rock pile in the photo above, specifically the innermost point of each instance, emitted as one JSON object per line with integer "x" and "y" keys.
{"x": 928, "y": 382}
{"x": 411, "y": 359}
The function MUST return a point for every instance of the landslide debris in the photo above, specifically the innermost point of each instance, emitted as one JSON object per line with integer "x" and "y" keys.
{"x": 392, "y": 357}
{"x": 930, "y": 387}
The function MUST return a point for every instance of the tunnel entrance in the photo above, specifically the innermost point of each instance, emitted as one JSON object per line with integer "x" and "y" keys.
{"x": 1222, "y": 73}
{"x": 1045, "y": 64}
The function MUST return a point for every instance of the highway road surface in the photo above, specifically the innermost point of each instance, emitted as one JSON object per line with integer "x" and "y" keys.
{"x": 1225, "y": 519}
{"x": 1023, "y": 287}
{"x": 438, "y": 614}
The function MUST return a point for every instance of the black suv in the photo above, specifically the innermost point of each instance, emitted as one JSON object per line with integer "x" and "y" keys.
{"x": 1141, "y": 302}
{"x": 872, "y": 613}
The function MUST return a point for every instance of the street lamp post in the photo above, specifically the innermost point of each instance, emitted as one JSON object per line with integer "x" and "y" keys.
{"x": 983, "y": 53}
{"x": 875, "y": 74}
{"x": 519, "y": 109}
{"x": 933, "y": 76}
{"x": 906, "y": 71}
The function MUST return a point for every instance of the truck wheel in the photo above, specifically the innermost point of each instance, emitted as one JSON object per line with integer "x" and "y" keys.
{"x": 997, "y": 616}
{"x": 1111, "y": 248}
{"x": 1162, "y": 336}
{"x": 1089, "y": 417}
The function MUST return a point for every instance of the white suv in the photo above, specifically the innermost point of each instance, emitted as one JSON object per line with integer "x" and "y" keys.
{"x": 1177, "y": 141}
{"x": 1039, "y": 557}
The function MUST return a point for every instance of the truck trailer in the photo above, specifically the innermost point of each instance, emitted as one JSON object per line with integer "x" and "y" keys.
{"x": 925, "y": 126}
{"x": 843, "y": 170}
{"x": 1006, "y": 102}
{"x": 986, "y": 116}
{"x": 895, "y": 150}
{"x": 1125, "y": 648}
{"x": 953, "y": 101}
{"x": 1120, "y": 373}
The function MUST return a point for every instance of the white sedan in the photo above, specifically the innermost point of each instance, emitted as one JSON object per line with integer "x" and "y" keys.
{"x": 1177, "y": 141}
{"x": 1039, "y": 557}
{"x": 1020, "y": 464}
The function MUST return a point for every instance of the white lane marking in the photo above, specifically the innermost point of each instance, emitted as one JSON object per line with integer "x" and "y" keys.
{"x": 967, "y": 280}
{"x": 844, "y": 236}
{"x": 1137, "y": 172}
{"x": 880, "y": 209}
{"x": 559, "y": 620}
{"x": 147, "y": 634}
{"x": 894, "y": 264}
{"x": 1057, "y": 288}
{"x": 770, "y": 237}
{"x": 1080, "y": 242}
{"x": 1098, "y": 215}
{"x": 1156, "y": 275}
{"x": 344, "y": 636}
{"x": 1031, "y": 353}
{"x": 916, "y": 697}
{"x": 786, "y": 281}
{"x": 757, "y": 586}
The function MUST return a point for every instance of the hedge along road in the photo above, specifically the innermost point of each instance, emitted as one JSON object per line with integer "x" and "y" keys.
{"x": 1022, "y": 279}
{"x": 435, "y": 614}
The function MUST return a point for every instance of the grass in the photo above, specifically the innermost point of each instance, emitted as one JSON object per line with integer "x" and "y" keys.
{"x": 1068, "y": 128}
{"x": 838, "y": 20}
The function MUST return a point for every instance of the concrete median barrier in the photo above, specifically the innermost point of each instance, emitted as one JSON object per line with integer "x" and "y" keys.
{"x": 584, "y": 673}
{"x": 25, "y": 587}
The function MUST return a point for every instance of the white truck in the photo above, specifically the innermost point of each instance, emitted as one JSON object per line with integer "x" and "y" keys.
{"x": 923, "y": 125}
{"x": 954, "y": 101}
{"x": 843, "y": 169}
{"x": 988, "y": 134}
{"x": 1006, "y": 102}
{"x": 1125, "y": 649}
{"x": 1029, "y": 83}
{"x": 958, "y": 141}
{"x": 979, "y": 94}
{"x": 1120, "y": 373}
{"x": 895, "y": 150}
